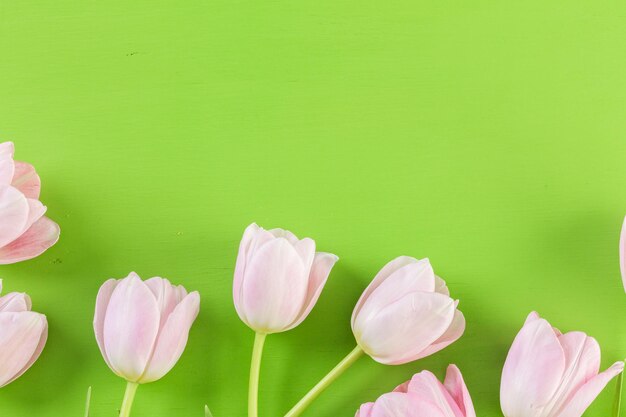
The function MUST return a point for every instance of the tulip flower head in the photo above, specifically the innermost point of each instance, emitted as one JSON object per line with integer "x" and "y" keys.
{"x": 406, "y": 313}
{"x": 24, "y": 230}
{"x": 23, "y": 335}
{"x": 550, "y": 374}
{"x": 424, "y": 396}
{"x": 278, "y": 278}
{"x": 142, "y": 326}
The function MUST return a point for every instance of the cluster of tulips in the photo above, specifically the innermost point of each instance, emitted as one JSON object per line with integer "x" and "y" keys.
{"x": 406, "y": 313}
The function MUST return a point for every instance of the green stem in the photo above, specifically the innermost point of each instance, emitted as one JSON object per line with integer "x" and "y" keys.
{"x": 129, "y": 396}
{"x": 255, "y": 367}
{"x": 325, "y": 382}
{"x": 88, "y": 402}
{"x": 618, "y": 395}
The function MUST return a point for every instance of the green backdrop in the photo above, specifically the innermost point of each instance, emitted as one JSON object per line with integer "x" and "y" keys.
{"x": 488, "y": 136}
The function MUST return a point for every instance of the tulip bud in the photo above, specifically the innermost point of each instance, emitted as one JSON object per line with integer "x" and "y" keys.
{"x": 278, "y": 278}
{"x": 24, "y": 230}
{"x": 142, "y": 327}
{"x": 424, "y": 396}
{"x": 23, "y": 335}
{"x": 551, "y": 374}
{"x": 406, "y": 313}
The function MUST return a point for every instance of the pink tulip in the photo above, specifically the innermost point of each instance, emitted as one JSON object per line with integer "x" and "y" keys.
{"x": 406, "y": 313}
{"x": 142, "y": 327}
{"x": 278, "y": 278}
{"x": 550, "y": 374}
{"x": 24, "y": 230}
{"x": 622, "y": 253}
{"x": 23, "y": 334}
{"x": 424, "y": 396}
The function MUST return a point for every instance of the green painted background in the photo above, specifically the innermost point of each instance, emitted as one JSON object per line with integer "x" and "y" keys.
{"x": 490, "y": 137}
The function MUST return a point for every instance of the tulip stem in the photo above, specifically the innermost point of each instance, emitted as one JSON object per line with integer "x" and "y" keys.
{"x": 129, "y": 396}
{"x": 255, "y": 367}
{"x": 341, "y": 367}
{"x": 88, "y": 402}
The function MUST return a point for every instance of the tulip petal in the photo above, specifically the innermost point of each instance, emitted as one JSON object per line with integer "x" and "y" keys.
{"x": 454, "y": 332}
{"x": 36, "y": 210}
{"x": 253, "y": 237}
{"x": 15, "y": 302}
{"x": 26, "y": 180}
{"x": 395, "y": 404}
{"x": 455, "y": 385}
{"x": 42, "y": 343}
{"x": 320, "y": 271}
{"x": 428, "y": 388}
{"x": 306, "y": 250}
{"x": 131, "y": 325}
{"x": 532, "y": 371}
{"x": 441, "y": 287}
{"x": 365, "y": 410}
{"x": 382, "y": 275}
{"x": 20, "y": 337}
{"x": 166, "y": 296}
{"x": 37, "y": 239}
{"x": 582, "y": 362}
{"x": 260, "y": 238}
{"x": 278, "y": 232}
{"x": 274, "y": 287}
{"x": 102, "y": 304}
{"x": 14, "y": 211}
{"x": 172, "y": 338}
{"x": 399, "y": 332}
{"x": 240, "y": 265}
{"x": 622, "y": 253}
{"x": 7, "y": 166}
{"x": 417, "y": 276}
{"x": 583, "y": 398}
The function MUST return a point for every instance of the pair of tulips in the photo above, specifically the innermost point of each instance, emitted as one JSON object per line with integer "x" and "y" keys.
{"x": 25, "y": 232}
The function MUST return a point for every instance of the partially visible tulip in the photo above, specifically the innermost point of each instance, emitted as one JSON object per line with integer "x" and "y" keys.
{"x": 622, "y": 253}
{"x": 23, "y": 335}
{"x": 24, "y": 230}
{"x": 406, "y": 313}
{"x": 424, "y": 396}
{"x": 278, "y": 278}
{"x": 550, "y": 374}
{"x": 142, "y": 328}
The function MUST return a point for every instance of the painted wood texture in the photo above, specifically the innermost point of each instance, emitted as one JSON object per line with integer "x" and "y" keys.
{"x": 488, "y": 136}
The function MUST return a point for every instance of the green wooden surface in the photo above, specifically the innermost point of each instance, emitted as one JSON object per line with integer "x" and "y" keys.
{"x": 489, "y": 136}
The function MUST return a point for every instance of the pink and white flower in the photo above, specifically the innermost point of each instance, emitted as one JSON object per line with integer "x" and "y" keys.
{"x": 23, "y": 335}
{"x": 424, "y": 396}
{"x": 406, "y": 313}
{"x": 142, "y": 326}
{"x": 24, "y": 230}
{"x": 278, "y": 278}
{"x": 551, "y": 374}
